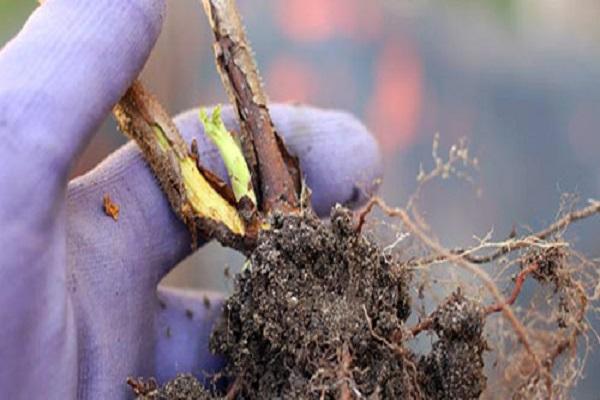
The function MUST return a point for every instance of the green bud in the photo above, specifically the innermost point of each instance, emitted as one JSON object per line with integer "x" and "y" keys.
{"x": 231, "y": 153}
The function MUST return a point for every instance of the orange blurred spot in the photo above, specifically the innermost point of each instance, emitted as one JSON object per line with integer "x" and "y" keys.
{"x": 318, "y": 20}
{"x": 291, "y": 79}
{"x": 395, "y": 106}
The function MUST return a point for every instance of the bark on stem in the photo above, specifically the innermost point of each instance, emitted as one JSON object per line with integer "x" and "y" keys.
{"x": 273, "y": 169}
{"x": 198, "y": 197}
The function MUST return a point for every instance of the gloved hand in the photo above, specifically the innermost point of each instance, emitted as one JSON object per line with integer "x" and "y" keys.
{"x": 79, "y": 306}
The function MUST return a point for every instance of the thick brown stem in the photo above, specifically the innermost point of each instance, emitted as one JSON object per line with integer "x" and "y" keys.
{"x": 273, "y": 169}
{"x": 198, "y": 197}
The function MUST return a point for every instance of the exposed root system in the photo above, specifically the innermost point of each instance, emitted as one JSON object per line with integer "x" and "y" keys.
{"x": 319, "y": 315}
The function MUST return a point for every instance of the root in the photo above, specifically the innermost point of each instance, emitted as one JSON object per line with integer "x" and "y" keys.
{"x": 344, "y": 374}
{"x": 233, "y": 390}
{"x": 467, "y": 260}
{"x": 516, "y": 290}
{"x": 470, "y": 267}
{"x": 510, "y": 245}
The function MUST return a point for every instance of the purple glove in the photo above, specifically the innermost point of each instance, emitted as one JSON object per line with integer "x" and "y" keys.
{"x": 79, "y": 306}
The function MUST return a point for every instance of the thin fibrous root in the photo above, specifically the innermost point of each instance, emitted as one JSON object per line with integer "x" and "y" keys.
{"x": 507, "y": 311}
{"x": 512, "y": 245}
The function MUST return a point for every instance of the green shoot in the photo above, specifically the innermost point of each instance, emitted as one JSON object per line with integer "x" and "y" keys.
{"x": 231, "y": 153}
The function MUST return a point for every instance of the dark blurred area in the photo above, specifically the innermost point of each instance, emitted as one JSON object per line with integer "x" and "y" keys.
{"x": 519, "y": 79}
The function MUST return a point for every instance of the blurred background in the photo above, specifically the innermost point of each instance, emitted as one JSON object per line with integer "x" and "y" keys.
{"x": 519, "y": 79}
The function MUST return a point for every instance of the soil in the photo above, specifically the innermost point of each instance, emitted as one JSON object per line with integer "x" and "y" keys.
{"x": 319, "y": 315}
{"x": 183, "y": 387}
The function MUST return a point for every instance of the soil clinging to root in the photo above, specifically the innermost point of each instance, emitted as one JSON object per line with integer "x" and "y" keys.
{"x": 319, "y": 315}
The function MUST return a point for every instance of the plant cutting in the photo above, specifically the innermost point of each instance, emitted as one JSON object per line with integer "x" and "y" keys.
{"x": 323, "y": 310}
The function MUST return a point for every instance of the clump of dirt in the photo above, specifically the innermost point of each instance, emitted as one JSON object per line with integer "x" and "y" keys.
{"x": 454, "y": 367}
{"x": 302, "y": 301}
{"x": 183, "y": 387}
{"x": 550, "y": 265}
{"x": 319, "y": 314}
{"x": 110, "y": 208}
{"x": 551, "y": 268}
